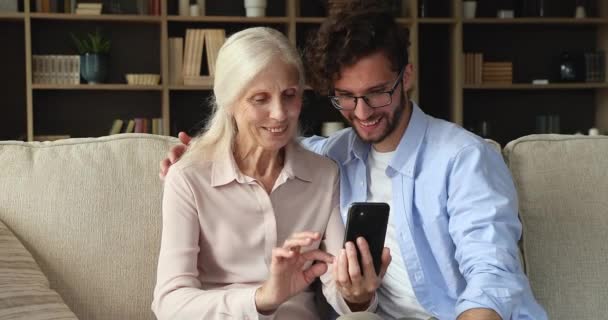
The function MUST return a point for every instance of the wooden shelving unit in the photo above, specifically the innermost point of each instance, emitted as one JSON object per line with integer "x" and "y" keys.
{"x": 438, "y": 42}
{"x": 102, "y": 87}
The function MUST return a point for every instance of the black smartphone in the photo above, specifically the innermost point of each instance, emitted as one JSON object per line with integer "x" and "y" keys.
{"x": 368, "y": 220}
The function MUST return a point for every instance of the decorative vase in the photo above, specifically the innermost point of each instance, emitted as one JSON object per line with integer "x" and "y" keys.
{"x": 93, "y": 67}
{"x": 255, "y": 8}
{"x": 567, "y": 69}
{"x": 468, "y": 9}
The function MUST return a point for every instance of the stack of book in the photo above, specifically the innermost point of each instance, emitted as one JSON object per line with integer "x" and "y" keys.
{"x": 498, "y": 72}
{"x": 56, "y": 6}
{"x": 595, "y": 66}
{"x": 197, "y": 42}
{"x": 89, "y": 8}
{"x": 137, "y": 125}
{"x": 473, "y": 63}
{"x": 56, "y": 69}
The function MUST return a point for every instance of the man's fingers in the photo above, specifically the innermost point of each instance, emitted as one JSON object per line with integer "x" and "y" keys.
{"x": 318, "y": 255}
{"x": 184, "y": 137}
{"x": 354, "y": 269}
{"x": 386, "y": 261}
{"x": 164, "y": 168}
{"x": 366, "y": 258}
{"x": 342, "y": 274}
{"x": 282, "y": 253}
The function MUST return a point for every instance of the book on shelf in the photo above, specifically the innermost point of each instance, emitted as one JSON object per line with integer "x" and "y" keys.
{"x": 498, "y": 72}
{"x": 595, "y": 66}
{"x": 176, "y": 58}
{"x": 137, "y": 125}
{"x": 56, "y": 69}
{"x": 116, "y": 127}
{"x": 89, "y": 8}
{"x": 51, "y": 137}
{"x": 199, "y": 41}
{"x": 473, "y": 67}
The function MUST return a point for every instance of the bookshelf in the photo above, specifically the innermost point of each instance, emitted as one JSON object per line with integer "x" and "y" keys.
{"x": 438, "y": 41}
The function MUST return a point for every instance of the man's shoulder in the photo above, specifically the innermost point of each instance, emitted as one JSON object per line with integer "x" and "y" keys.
{"x": 339, "y": 145}
{"x": 450, "y": 138}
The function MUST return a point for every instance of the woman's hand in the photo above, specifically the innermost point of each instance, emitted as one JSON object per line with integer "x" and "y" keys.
{"x": 287, "y": 274}
{"x": 358, "y": 288}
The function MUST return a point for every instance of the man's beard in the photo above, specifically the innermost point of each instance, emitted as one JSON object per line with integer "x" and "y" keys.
{"x": 391, "y": 123}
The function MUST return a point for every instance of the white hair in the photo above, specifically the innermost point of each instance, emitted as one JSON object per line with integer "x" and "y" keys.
{"x": 243, "y": 56}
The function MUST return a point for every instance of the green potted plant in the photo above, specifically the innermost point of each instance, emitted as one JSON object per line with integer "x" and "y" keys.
{"x": 93, "y": 49}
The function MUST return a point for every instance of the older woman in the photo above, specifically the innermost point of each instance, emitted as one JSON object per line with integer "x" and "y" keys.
{"x": 243, "y": 188}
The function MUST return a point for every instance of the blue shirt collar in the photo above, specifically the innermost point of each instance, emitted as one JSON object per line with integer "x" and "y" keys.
{"x": 404, "y": 160}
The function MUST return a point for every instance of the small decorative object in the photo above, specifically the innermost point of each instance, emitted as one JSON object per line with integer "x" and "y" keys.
{"x": 255, "y": 8}
{"x": 142, "y": 79}
{"x": 8, "y": 6}
{"x": 201, "y": 7}
{"x": 194, "y": 10}
{"x": 328, "y": 128}
{"x": 567, "y": 70}
{"x": 422, "y": 8}
{"x": 594, "y": 132}
{"x": 580, "y": 11}
{"x": 469, "y": 8}
{"x": 505, "y": 14}
{"x": 93, "y": 51}
{"x": 184, "y": 8}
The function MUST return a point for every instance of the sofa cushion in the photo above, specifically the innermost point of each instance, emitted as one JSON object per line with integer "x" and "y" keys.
{"x": 24, "y": 290}
{"x": 562, "y": 182}
{"x": 89, "y": 211}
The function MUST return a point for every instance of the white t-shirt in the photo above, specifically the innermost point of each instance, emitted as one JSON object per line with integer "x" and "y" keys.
{"x": 396, "y": 295}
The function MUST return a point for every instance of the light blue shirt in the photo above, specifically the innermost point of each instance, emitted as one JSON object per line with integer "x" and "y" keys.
{"x": 455, "y": 211}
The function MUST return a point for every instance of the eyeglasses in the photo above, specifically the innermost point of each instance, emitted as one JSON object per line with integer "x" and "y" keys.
{"x": 373, "y": 100}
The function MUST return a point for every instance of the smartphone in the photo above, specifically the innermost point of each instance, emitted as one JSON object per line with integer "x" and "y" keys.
{"x": 368, "y": 220}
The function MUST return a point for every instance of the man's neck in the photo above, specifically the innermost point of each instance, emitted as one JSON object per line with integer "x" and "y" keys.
{"x": 391, "y": 141}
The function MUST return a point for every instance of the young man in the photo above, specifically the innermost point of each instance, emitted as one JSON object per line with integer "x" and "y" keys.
{"x": 453, "y": 227}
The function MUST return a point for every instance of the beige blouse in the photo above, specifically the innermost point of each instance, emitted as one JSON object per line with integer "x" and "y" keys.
{"x": 219, "y": 229}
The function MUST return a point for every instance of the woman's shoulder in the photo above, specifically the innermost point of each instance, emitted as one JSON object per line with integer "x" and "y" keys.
{"x": 314, "y": 162}
{"x": 191, "y": 169}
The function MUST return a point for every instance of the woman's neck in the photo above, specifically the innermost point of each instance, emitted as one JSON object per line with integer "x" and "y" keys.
{"x": 260, "y": 164}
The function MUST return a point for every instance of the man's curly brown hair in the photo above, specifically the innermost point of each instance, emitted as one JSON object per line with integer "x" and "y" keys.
{"x": 358, "y": 30}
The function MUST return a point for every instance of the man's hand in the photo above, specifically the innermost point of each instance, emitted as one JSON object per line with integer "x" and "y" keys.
{"x": 358, "y": 288}
{"x": 479, "y": 314}
{"x": 174, "y": 154}
{"x": 287, "y": 274}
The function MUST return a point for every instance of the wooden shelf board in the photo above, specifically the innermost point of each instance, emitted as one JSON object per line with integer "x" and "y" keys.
{"x": 101, "y": 17}
{"x": 229, "y": 19}
{"x": 565, "y": 20}
{"x": 105, "y": 86}
{"x": 189, "y": 88}
{"x": 436, "y": 20}
{"x": 310, "y": 20}
{"x": 527, "y": 86}
{"x": 11, "y": 16}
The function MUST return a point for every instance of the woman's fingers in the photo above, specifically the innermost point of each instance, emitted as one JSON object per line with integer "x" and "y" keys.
{"x": 343, "y": 277}
{"x": 318, "y": 255}
{"x": 354, "y": 270}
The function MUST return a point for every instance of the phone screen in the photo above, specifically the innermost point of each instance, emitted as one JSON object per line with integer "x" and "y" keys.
{"x": 368, "y": 220}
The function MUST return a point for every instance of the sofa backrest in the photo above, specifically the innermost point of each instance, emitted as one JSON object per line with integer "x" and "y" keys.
{"x": 89, "y": 211}
{"x": 562, "y": 183}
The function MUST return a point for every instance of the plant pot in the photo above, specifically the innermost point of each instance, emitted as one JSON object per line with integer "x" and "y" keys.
{"x": 255, "y": 8}
{"x": 93, "y": 67}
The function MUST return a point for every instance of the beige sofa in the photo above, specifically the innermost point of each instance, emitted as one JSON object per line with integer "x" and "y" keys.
{"x": 88, "y": 212}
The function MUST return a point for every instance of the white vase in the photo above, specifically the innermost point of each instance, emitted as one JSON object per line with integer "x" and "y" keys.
{"x": 255, "y": 8}
{"x": 468, "y": 9}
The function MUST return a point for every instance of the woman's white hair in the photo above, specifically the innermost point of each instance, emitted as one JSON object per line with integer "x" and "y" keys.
{"x": 242, "y": 57}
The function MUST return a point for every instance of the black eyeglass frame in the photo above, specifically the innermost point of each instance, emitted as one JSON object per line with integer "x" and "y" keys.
{"x": 336, "y": 104}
